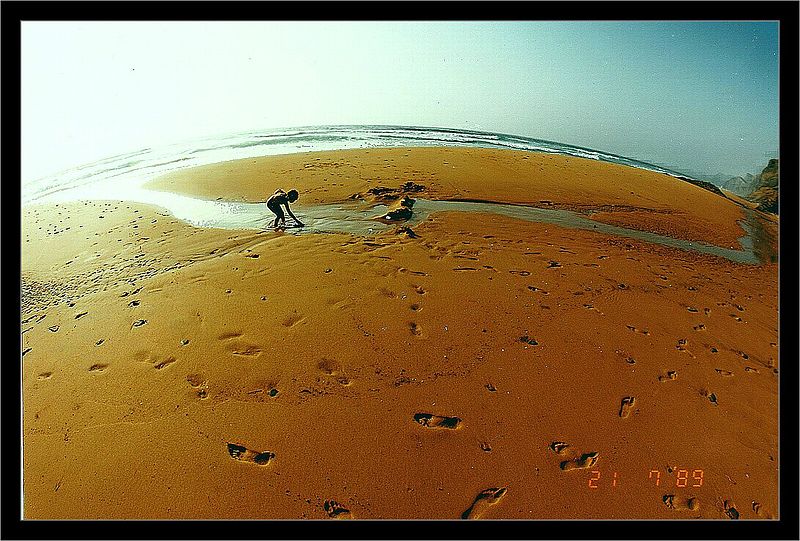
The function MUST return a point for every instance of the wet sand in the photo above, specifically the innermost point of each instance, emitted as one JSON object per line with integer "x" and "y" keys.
{"x": 485, "y": 368}
{"x": 615, "y": 194}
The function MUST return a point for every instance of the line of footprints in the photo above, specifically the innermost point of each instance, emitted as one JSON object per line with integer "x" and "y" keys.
{"x": 480, "y": 504}
{"x": 490, "y": 496}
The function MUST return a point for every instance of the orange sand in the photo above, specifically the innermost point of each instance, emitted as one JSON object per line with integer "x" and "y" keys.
{"x": 620, "y": 195}
{"x": 179, "y": 337}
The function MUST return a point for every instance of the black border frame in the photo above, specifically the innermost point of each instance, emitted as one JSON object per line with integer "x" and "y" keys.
{"x": 786, "y": 12}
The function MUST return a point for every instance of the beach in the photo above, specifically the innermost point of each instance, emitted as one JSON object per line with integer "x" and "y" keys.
{"x": 478, "y": 366}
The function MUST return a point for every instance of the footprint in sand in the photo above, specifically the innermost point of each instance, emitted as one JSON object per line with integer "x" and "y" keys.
{"x": 730, "y": 510}
{"x": 673, "y": 502}
{"x": 329, "y": 366}
{"x": 416, "y": 330}
{"x": 54, "y": 328}
{"x": 237, "y": 347}
{"x": 670, "y": 376}
{"x": 681, "y": 346}
{"x": 559, "y": 447}
{"x": 483, "y": 501}
{"x": 387, "y": 292}
{"x": 245, "y": 350}
{"x": 195, "y": 380}
{"x": 711, "y": 396}
{"x": 435, "y": 421}
{"x": 244, "y": 454}
{"x": 760, "y": 511}
{"x": 528, "y": 340}
{"x": 165, "y": 363}
{"x": 634, "y": 329}
{"x": 725, "y": 373}
{"x": 586, "y": 460}
{"x": 625, "y": 406}
{"x": 292, "y": 320}
{"x": 336, "y": 510}
{"x": 139, "y": 323}
{"x": 98, "y": 367}
{"x": 44, "y": 375}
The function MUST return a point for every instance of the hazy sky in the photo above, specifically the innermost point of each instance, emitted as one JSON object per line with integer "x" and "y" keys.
{"x": 689, "y": 95}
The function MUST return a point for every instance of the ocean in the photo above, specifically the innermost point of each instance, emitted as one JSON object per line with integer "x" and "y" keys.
{"x": 121, "y": 177}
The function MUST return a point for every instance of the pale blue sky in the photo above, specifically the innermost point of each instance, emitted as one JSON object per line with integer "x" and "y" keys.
{"x": 694, "y": 96}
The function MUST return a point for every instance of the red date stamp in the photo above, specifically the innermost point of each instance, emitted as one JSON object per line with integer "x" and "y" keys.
{"x": 683, "y": 479}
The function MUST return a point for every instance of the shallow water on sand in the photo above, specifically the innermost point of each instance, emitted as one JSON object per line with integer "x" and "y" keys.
{"x": 360, "y": 218}
{"x": 566, "y": 218}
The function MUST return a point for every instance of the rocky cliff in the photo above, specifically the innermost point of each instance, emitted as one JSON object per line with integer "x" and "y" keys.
{"x": 766, "y": 191}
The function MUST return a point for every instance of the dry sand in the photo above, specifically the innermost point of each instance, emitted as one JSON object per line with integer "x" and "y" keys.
{"x": 177, "y": 372}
